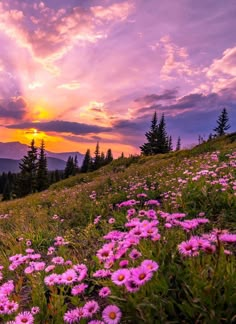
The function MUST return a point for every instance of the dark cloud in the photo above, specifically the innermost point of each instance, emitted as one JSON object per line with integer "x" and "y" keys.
{"x": 128, "y": 125}
{"x": 152, "y": 98}
{"x": 197, "y": 101}
{"x": 14, "y": 109}
{"x": 61, "y": 126}
{"x": 91, "y": 139}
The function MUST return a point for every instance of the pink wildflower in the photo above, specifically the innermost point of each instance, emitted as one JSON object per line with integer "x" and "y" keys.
{"x": 104, "y": 292}
{"x": 111, "y": 314}
{"x": 120, "y": 276}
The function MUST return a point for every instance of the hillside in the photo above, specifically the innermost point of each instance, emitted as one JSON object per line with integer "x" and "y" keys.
{"x": 152, "y": 236}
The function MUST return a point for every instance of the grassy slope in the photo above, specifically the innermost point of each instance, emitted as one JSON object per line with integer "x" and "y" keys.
{"x": 31, "y": 217}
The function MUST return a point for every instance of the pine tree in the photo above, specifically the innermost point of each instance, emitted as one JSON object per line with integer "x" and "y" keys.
{"x": 102, "y": 159}
{"x": 178, "y": 145}
{"x": 223, "y": 124}
{"x": 109, "y": 156}
{"x": 27, "y": 180}
{"x": 86, "y": 165}
{"x": 210, "y": 137}
{"x": 42, "y": 172}
{"x": 97, "y": 158}
{"x": 170, "y": 145}
{"x": 76, "y": 167}
{"x": 70, "y": 167}
{"x": 6, "y": 195}
{"x": 162, "y": 138}
{"x": 150, "y": 147}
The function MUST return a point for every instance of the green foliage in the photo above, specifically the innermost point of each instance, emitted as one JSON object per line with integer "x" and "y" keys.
{"x": 222, "y": 123}
{"x": 42, "y": 170}
{"x": 27, "y": 180}
{"x": 157, "y": 139}
{"x": 200, "y": 289}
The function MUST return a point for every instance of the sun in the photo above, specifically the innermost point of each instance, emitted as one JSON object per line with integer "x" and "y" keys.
{"x": 34, "y": 133}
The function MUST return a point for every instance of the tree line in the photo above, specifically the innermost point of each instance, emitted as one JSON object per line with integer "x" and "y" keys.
{"x": 159, "y": 142}
{"x": 34, "y": 175}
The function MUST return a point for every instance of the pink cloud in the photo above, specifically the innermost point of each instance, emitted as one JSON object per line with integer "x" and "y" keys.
{"x": 53, "y": 33}
{"x": 225, "y": 65}
{"x": 222, "y": 72}
{"x": 176, "y": 59}
{"x": 117, "y": 11}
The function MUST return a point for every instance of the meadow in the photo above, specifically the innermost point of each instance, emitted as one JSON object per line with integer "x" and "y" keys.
{"x": 141, "y": 240}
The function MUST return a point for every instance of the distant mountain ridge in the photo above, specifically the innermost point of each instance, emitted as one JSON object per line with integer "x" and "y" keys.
{"x": 12, "y": 152}
{"x": 10, "y": 165}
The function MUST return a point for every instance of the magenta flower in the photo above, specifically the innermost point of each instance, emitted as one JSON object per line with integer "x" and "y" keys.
{"x": 24, "y": 318}
{"x": 69, "y": 276}
{"x": 141, "y": 275}
{"x": 150, "y": 265}
{"x": 78, "y": 289}
{"x": 135, "y": 254}
{"x": 91, "y": 308}
{"x": 104, "y": 292}
{"x": 35, "y": 310}
{"x": 189, "y": 248}
{"x": 132, "y": 286}
{"x": 72, "y": 316}
{"x": 120, "y": 276}
{"x": 58, "y": 260}
{"x": 124, "y": 263}
{"x": 111, "y": 314}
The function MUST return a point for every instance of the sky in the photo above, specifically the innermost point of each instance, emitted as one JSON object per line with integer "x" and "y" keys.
{"x": 80, "y": 71}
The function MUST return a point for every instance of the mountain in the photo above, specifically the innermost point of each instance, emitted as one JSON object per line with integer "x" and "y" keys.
{"x": 10, "y": 165}
{"x": 12, "y": 152}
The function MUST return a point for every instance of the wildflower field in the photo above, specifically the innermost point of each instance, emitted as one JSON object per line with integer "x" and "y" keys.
{"x": 142, "y": 240}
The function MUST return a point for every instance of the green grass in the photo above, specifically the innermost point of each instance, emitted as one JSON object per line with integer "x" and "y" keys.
{"x": 183, "y": 290}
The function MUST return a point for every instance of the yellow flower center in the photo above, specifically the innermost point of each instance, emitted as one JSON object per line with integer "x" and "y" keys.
{"x": 121, "y": 277}
{"x": 142, "y": 276}
{"x": 112, "y": 315}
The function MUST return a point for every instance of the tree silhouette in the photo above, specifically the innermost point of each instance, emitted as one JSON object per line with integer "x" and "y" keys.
{"x": 97, "y": 158}
{"x": 150, "y": 147}
{"x": 86, "y": 165}
{"x": 109, "y": 156}
{"x": 27, "y": 180}
{"x": 70, "y": 167}
{"x": 162, "y": 141}
{"x": 42, "y": 171}
{"x": 178, "y": 145}
{"x": 222, "y": 122}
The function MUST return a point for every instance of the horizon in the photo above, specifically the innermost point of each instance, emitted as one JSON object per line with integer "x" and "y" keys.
{"x": 95, "y": 71}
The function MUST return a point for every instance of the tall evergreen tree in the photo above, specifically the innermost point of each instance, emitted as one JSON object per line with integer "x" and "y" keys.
{"x": 70, "y": 167}
{"x": 102, "y": 159}
{"x": 76, "y": 167}
{"x": 162, "y": 138}
{"x": 151, "y": 146}
{"x": 178, "y": 145}
{"x": 27, "y": 180}
{"x": 222, "y": 123}
{"x": 109, "y": 156}
{"x": 7, "y": 191}
{"x": 170, "y": 145}
{"x": 86, "y": 165}
{"x": 97, "y": 158}
{"x": 42, "y": 172}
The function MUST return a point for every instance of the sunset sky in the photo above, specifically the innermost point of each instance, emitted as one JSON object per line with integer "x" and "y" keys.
{"x": 80, "y": 71}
